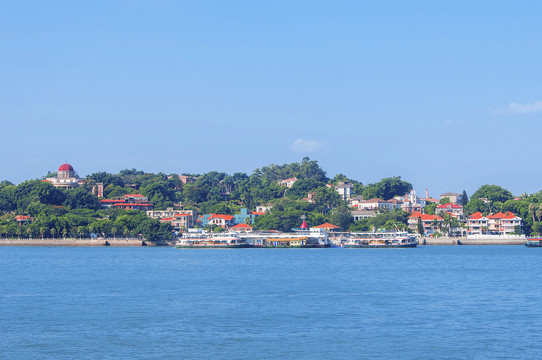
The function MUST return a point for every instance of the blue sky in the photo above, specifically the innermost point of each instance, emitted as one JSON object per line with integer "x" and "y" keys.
{"x": 447, "y": 95}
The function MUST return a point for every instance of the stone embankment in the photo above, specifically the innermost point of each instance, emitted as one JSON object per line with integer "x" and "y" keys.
{"x": 478, "y": 241}
{"x": 78, "y": 242}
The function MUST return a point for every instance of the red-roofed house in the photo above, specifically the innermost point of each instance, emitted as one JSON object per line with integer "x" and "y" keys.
{"x": 478, "y": 224}
{"x": 456, "y": 210}
{"x": 504, "y": 223}
{"x": 23, "y": 219}
{"x": 428, "y": 222}
{"x": 128, "y": 202}
{"x": 225, "y": 221}
{"x": 242, "y": 227}
{"x": 327, "y": 227}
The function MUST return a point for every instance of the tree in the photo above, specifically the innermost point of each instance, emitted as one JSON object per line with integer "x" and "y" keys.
{"x": 387, "y": 188}
{"x": 444, "y": 200}
{"x": 464, "y": 198}
{"x": 492, "y": 193}
{"x": 342, "y": 217}
{"x": 430, "y": 208}
{"x": 53, "y": 231}
{"x": 421, "y": 229}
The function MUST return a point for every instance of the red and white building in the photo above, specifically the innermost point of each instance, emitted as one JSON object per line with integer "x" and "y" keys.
{"x": 496, "y": 224}
{"x": 66, "y": 178}
{"x": 225, "y": 221}
{"x": 129, "y": 202}
{"x": 431, "y": 223}
{"x": 242, "y": 227}
{"x": 375, "y": 204}
{"x": 453, "y": 209}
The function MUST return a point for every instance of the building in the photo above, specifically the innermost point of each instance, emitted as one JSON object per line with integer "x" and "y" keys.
{"x": 327, "y": 227}
{"x": 363, "y": 214}
{"x": 354, "y": 201}
{"x": 478, "y": 224}
{"x": 452, "y": 209}
{"x": 431, "y": 223}
{"x": 496, "y": 224}
{"x": 242, "y": 227}
{"x": 376, "y": 204}
{"x": 263, "y": 208}
{"x": 129, "y": 202}
{"x": 287, "y": 182}
{"x": 504, "y": 223}
{"x": 455, "y": 198}
{"x": 345, "y": 189}
{"x": 66, "y": 178}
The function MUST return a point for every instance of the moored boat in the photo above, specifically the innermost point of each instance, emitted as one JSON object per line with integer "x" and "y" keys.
{"x": 534, "y": 242}
{"x": 394, "y": 239}
{"x": 211, "y": 242}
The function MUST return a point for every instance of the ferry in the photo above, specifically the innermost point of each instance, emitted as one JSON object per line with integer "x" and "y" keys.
{"x": 289, "y": 242}
{"x": 534, "y": 242}
{"x": 381, "y": 239}
{"x": 225, "y": 242}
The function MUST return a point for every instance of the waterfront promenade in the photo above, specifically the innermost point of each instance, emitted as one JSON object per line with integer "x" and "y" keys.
{"x": 139, "y": 242}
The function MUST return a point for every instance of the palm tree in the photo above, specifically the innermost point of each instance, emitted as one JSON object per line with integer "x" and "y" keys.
{"x": 19, "y": 230}
{"x": 114, "y": 231}
{"x": 532, "y": 211}
{"x": 29, "y": 231}
{"x": 539, "y": 212}
{"x": 53, "y": 231}
{"x": 90, "y": 229}
{"x": 125, "y": 231}
{"x": 64, "y": 232}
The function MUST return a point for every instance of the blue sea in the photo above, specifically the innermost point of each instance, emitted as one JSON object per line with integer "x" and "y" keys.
{"x": 431, "y": 302}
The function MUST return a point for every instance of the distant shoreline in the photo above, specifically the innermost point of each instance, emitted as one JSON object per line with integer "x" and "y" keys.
{"x": 133, "y": 242}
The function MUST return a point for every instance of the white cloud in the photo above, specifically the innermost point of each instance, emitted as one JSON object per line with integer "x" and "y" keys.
{"x": 516, "y": 108}
{"x": 306, "y": 146}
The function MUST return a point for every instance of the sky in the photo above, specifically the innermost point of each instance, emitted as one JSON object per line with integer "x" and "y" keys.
{"x": 447, "y": 95}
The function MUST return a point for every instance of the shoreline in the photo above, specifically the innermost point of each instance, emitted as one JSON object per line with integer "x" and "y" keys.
{"x": 134, "y": 242}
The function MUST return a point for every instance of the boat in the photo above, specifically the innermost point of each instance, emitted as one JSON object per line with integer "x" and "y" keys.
{"x": 289, "y": 242}
{"x": 381, "y": 239}
{"x": 534, "y": 242}
{"x": 226, "y": 242}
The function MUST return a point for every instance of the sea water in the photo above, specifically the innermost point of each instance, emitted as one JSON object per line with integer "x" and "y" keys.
{"x": 431, "y": 302}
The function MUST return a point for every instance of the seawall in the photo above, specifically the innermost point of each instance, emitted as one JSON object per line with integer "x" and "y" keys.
{"x": 465, "y": 241}
{"x": 77, "y": 242}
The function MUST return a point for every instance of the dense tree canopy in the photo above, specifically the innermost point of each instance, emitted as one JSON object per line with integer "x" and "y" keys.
{"x": 387, "y": 188}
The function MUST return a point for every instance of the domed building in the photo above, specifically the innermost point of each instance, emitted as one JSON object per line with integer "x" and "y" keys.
{"x": 66, "y": 178}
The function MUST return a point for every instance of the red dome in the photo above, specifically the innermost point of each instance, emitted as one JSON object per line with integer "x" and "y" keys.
{"x": 304, "y": 225}
{"x": 65, "y": 167}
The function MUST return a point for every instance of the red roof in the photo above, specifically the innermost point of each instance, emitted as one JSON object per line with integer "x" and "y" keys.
{"x": 220, "y": 216}
{"x": 241, "y": 226}
{"x": 257, "y": 213}
{"x": 425, "y": 217}
{"x": 453, "y": 206}
{"x": 476, "y": 216}
{"x": 327, "y": 226}
{"x": 500, "y": 215}
{"x": 22, "y": 217}
{"x": 133, "y": 195}
{"x": 65, "y": 167}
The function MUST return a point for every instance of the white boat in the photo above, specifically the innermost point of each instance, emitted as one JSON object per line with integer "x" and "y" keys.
{"x": 381, "y": 239}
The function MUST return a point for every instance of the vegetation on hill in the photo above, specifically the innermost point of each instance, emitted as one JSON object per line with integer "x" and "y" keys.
{"x": 59, "y": 212}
